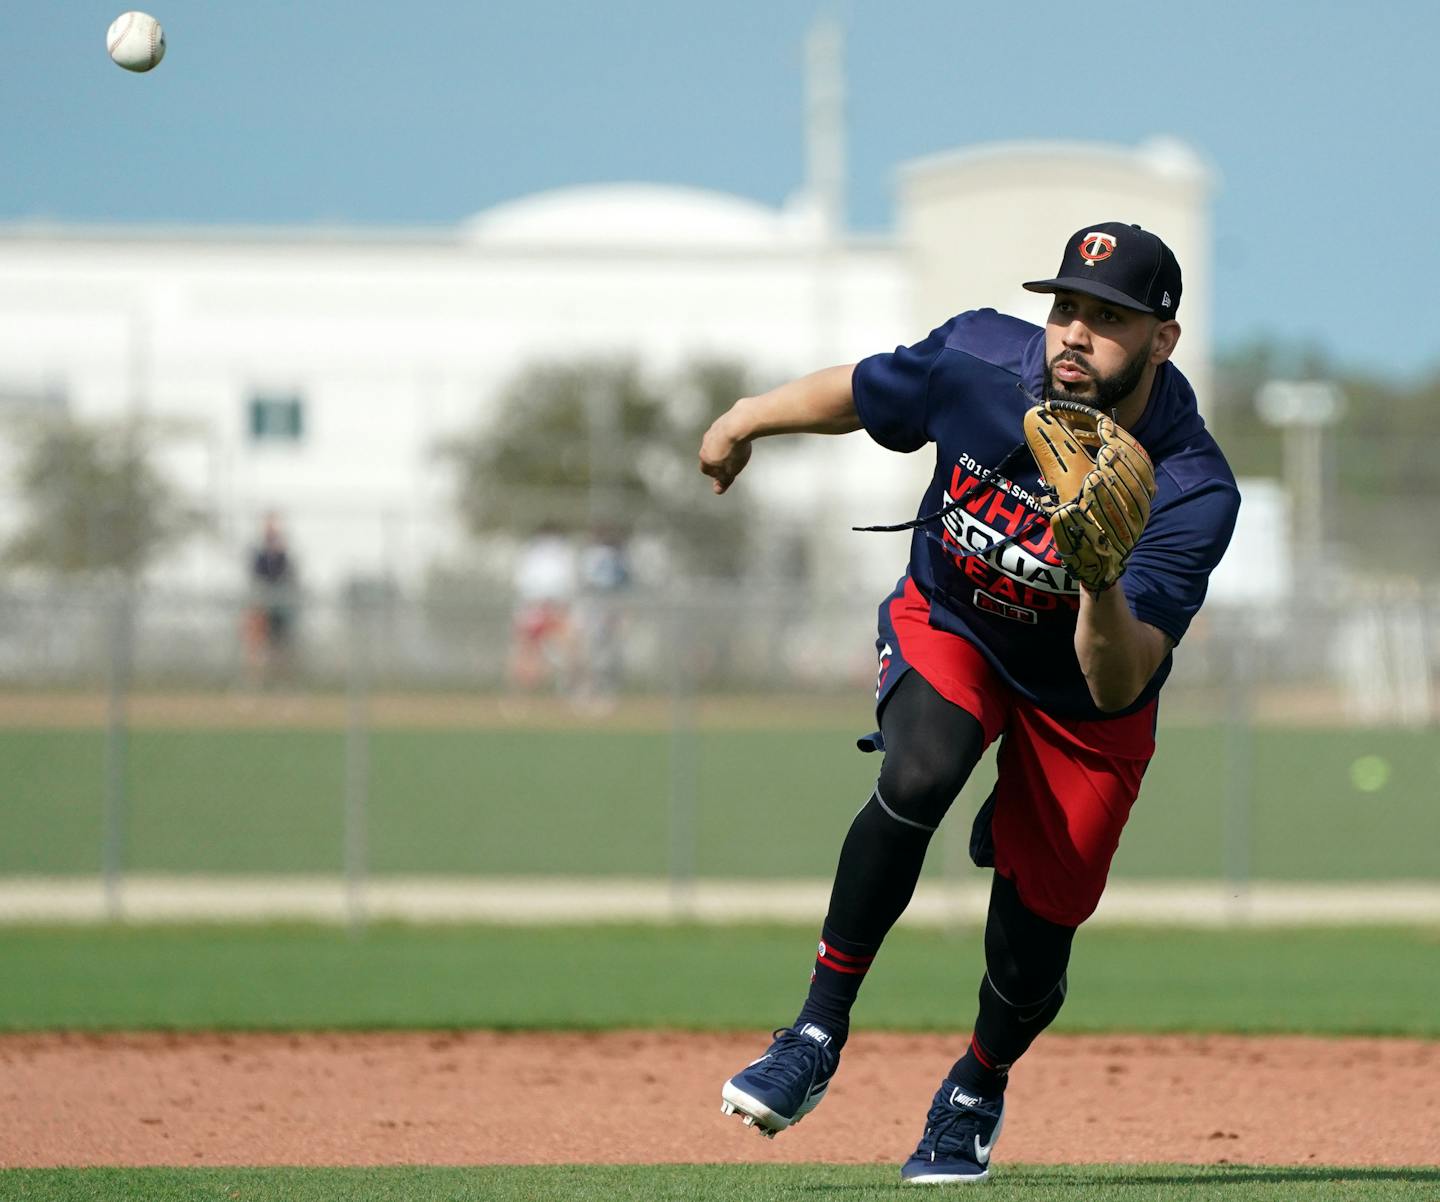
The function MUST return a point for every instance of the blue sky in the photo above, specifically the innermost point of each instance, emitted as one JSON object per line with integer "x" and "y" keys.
{"x": 1319, "y": 117}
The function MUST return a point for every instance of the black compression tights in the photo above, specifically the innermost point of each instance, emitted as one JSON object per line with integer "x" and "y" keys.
{"x": 931, "y": 747}
{"x": 1024, "y": 983}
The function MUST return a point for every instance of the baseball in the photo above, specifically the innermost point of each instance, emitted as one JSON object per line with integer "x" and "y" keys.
{"x": 136, "y": 41}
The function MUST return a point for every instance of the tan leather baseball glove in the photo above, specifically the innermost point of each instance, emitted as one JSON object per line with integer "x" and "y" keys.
{"x": 1103, "y": 483}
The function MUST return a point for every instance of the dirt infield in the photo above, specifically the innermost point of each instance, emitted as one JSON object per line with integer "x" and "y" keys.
{"x": 418, "y": 711}
{"x": 238, "y": 710}
{"x": 647, "y": 1097}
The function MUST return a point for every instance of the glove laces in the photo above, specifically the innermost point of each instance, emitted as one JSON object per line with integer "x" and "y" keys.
{"x": 985, "y": 478}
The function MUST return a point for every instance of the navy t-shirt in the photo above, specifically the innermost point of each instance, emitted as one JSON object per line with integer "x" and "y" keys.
{"x": 966, "y": 389}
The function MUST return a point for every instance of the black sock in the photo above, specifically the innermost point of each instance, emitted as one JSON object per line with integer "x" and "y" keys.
{"x": 879, "y": 865}
{"x": 931, "y": 746}
{"x": 840, "y": 968}
{"x": 979, "y": 1072}
{"x": 1002, "y": 1035}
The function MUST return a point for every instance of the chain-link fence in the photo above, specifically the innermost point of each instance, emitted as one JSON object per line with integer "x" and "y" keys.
{"x": 638, "y": 693}
{"x": 698, "y": 734}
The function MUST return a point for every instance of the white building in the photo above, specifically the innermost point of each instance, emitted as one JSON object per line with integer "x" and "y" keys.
{"x": 979, "y": 221}
{"x": 314, "y": 370}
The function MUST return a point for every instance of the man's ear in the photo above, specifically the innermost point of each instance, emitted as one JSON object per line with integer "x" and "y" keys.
{"x": 1162, "y": 342}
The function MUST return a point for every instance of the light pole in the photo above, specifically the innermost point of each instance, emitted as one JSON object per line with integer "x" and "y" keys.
{"x": 1302, "y": 410}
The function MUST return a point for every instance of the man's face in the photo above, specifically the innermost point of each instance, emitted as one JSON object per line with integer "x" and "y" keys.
{"x": 1098, "y": 353}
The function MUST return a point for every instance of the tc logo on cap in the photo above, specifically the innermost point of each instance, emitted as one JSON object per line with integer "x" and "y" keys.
{"x": 1096, "y": 246}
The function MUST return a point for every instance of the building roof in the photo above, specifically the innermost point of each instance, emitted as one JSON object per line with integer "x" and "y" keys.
{"x": 638, "y": 214}
{"x": 595, "y": 218}
{"x": 1163, "y": 157}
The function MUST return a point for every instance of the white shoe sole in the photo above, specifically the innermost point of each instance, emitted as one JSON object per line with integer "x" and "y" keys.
{"x": 945, "y": 1179}
{"x": 754, "y": 1113}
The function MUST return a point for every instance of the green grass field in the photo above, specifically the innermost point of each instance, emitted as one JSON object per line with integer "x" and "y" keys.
{"x": 712, "y": 1183}
{"x": 294, "y": 978}
{"x": 1326, "y": 804}
{"x": 767, "y": 803}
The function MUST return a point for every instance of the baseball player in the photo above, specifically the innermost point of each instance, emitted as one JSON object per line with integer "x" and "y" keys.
{"x": 1040, "y": 608}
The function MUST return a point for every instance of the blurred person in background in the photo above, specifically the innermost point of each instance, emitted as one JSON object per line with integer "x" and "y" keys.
{"x": 544, "y": 649}
{"x": 271, "y": 612}
{"x": 604, "y": 579}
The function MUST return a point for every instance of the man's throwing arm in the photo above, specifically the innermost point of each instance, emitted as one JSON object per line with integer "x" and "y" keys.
{"x": 821, "y": 403}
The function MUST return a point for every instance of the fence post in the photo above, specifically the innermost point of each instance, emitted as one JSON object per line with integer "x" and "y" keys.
{"x": 684, "y": 769}
{"x": 115, "y": 805}
{"x": 357, "y": 759}
{"x": 1237, "y": 819}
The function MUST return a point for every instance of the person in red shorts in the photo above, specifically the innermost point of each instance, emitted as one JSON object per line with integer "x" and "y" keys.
{"x": 989, "y": 636}
{"x": 543, "y": 650}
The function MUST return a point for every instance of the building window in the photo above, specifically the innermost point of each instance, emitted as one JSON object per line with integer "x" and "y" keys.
{"x": 277, "y": 419}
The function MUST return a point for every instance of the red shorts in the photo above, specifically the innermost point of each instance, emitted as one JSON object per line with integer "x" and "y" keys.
{"x": 539, "y": 621}
{"x": 1064, "y": 787}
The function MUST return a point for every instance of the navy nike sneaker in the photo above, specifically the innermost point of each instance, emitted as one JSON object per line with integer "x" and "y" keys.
{"x": 786, "y": 1083}
{"x": 960, "y": 1130}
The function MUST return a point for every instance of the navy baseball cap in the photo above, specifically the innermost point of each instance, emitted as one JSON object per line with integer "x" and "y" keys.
{"x": 1123, "y": 264}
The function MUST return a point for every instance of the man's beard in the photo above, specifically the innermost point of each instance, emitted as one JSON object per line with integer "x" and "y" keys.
{"x": 1109, "y": 390}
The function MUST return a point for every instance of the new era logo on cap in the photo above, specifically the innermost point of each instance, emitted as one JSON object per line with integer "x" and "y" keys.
{"x": 1123, "y": 264}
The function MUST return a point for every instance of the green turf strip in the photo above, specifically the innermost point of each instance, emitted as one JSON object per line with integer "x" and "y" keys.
{"x": 723, "y": 1183}
{"x": 1381, "y": 981}
{"x": 766, "y": 802}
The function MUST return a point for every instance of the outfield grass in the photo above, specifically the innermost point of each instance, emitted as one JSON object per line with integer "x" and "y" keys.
{"x": 721, "y": 1183}
{"x": 1327, "y": 805}
{"x": 268, "y": 978}
{"x": 288, "y": 978}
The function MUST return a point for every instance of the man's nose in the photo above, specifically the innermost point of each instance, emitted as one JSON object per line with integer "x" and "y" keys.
{"x": 1077, "y": 335}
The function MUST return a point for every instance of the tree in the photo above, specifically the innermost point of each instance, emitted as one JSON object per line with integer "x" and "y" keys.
{"x": 599, "y": 444}
{"x": 92, "y": 499}
{"x": 1381, "y": 453}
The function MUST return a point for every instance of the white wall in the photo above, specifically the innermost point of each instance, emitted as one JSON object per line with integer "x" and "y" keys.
{"x": 397, "y": 338}
{"x": 393, "y": 343}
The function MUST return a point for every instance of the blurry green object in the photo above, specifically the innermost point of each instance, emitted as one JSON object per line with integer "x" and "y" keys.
{"x": 92, "y": 498}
